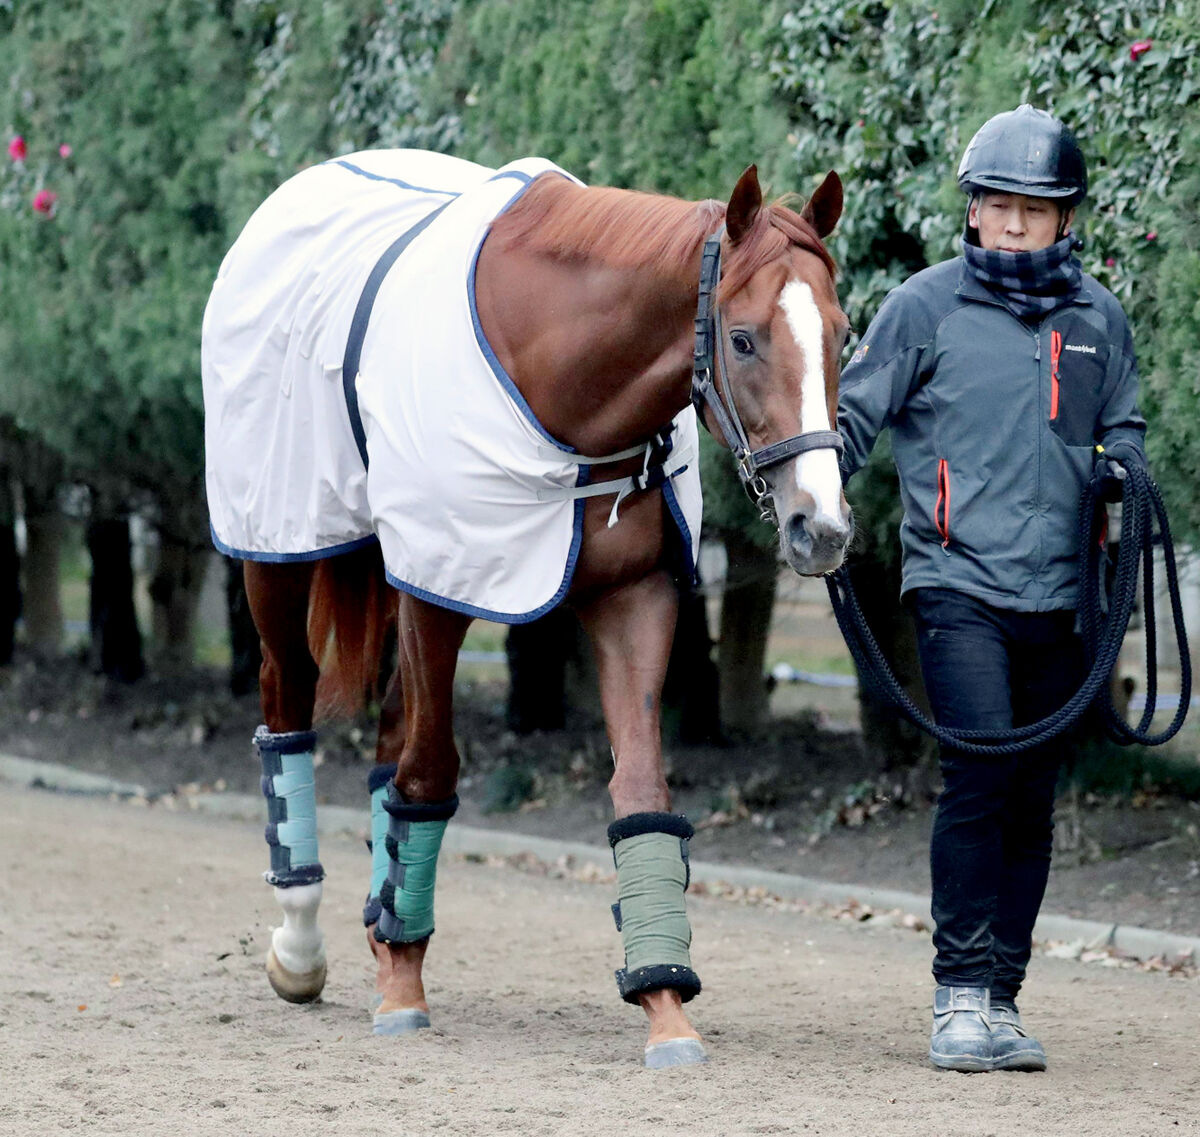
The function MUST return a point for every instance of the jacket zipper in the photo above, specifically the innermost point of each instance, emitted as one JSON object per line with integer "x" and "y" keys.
{"x": 1055, "y": 355}
{"x": 941, "y": 508}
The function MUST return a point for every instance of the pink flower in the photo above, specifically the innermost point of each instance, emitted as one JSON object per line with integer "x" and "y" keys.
{"x": 1110, "y": 261}
{"x": 1152, "y": 236}
{"x": 1137, "y": 50}
{"x": 16, "y": 149}
{"x": 64, "y": 151}
{"x": 43, "y": 201}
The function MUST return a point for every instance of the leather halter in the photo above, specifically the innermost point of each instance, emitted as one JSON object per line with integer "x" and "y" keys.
{"x": 709, "y": 362}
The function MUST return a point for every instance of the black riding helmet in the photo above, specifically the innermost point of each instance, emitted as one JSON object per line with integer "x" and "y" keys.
{"x": 1025, "y": 151}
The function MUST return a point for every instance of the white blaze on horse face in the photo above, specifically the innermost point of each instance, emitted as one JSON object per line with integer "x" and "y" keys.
{"x": 817, "y": 471}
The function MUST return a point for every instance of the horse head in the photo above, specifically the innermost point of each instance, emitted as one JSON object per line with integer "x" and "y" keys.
{"x": 780, "y": 333}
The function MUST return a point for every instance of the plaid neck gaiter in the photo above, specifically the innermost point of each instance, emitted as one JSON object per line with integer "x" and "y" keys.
{"x": 1030, "y": 284}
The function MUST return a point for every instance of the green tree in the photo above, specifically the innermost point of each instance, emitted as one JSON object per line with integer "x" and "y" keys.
{"x": 102, "y": 297}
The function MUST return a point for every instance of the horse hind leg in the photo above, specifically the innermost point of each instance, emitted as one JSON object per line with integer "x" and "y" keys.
{"x": 278, "y": 596}
{"x": 412, "y": 810}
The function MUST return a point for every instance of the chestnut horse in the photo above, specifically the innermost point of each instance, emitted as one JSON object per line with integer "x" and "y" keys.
{"x": 588, "y": 299}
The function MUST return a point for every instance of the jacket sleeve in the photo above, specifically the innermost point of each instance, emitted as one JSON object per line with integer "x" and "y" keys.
{"x": 1121, "y": 429}
{"x": 880, "y": 377}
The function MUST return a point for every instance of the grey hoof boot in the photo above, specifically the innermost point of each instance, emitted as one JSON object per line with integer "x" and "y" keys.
{"x": 674, "y": 1052}
{"x": 1012, "y": 1047}
{"x": 400, "y": 1022}
{"x": 962, "y": 1036}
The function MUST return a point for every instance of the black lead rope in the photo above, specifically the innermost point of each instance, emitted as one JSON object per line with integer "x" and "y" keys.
{"x": 1104, "y": 618}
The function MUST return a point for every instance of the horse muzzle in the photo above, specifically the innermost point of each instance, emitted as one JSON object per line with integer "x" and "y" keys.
{"x": 814, "y": 545}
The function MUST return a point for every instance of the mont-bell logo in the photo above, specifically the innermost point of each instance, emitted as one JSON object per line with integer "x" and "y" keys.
{"x": 1085, "y": 348}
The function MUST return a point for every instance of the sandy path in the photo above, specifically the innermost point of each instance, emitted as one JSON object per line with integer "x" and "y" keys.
{"x": 132, "y": 1001}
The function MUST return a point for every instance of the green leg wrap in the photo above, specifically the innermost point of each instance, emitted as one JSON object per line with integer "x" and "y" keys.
{"x": 377, "y": 783}
{"x": 414, "y": 839}
{"x": 650, "y": 851}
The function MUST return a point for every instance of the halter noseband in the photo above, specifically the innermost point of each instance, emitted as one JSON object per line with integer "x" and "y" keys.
{"x": 709, "y": 357}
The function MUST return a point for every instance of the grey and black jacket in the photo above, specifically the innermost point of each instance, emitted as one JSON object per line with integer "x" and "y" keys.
{"x": 995, "y": 422}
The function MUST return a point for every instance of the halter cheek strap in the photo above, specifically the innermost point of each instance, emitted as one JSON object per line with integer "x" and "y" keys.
{"x": 709, "y": 363}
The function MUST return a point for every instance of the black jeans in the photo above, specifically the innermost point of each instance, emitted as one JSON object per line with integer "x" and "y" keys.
{"x": 989, "y": 668}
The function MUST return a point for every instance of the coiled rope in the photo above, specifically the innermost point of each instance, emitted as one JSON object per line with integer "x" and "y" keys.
{"x": 1104, "y": 617}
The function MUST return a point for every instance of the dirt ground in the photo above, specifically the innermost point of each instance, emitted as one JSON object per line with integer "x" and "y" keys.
{"x": 131, "y": 946}
{"x": 801, "y": 798}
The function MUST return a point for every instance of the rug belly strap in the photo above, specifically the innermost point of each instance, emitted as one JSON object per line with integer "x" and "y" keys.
{"x": 412, "y": 843}
{"x": 289, "y": 787}
{"x": 651, "y": 855}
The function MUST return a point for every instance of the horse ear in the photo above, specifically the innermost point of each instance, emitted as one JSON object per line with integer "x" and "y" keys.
{"x": 744, "y": 205}
{"x": 825, "y": 206}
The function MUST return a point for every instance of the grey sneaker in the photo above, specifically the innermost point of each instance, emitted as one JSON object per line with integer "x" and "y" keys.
{"x": 1012, "y": 1047}
{"x": 962, "y": 1036}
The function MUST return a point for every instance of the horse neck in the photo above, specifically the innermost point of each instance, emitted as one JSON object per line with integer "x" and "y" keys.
{"x": 601, "y": 352}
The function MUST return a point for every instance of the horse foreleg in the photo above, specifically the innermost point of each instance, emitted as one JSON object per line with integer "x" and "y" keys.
{"x": 631, "y": 629}
{"x": 414, "y": 807}
{"x": 278, "y": 595}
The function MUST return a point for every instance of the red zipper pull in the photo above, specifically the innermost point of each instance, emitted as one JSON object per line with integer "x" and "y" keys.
{"x": 1055, "y": 354}
{"x": 941, "y": 508}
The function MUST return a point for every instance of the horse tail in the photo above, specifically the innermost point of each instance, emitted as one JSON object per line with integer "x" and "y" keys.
{"x": 351, "y": 611}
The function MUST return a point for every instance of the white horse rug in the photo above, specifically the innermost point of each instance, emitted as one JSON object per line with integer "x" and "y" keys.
{"x": 365, "y": 265}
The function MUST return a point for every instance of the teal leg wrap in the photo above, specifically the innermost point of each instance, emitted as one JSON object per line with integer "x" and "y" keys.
{"x": 289, "y": 787}
{"x": 414, "y": 839}
{"x": 650, "y": 851}
{"x": 377, "y": 782}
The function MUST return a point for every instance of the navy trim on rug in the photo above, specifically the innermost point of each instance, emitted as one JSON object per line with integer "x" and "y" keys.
{"x": 285, "y": 558}
{"x": 508, "y": 617}
{"x": 486, "y": 348}
{"x": 677, "y": 515}
{"x": 362, "y": 317}
{"x": 381, "y": 178}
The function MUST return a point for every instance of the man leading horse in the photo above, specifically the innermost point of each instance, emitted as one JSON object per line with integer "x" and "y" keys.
{"x": 1008, "y": 379}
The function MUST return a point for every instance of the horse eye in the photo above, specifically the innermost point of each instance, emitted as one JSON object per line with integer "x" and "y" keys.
{"x": 742, "y": 343}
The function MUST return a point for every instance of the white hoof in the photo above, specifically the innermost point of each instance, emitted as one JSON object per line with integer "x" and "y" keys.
{"x": 296, "y": 961}
{"x": 295, "y": 987}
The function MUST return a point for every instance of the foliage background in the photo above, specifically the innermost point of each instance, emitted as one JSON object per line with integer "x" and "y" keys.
{"x": 184, "y": 114}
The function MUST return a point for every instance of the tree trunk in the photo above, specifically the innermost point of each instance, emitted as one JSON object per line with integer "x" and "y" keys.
{"x": 691, "y": 694}
{"x": 746, "y": 609}
{"x": 42, "y": 604}
{"x": 887, "y": 735}
{"x": 175, "y": 596}
{"x": 10, "y": 572}
{"x": 116, "y": 648}
{"x": 583, "y": 679}
{"x": 538, "y": 653}
{"x": 245, "y": 649}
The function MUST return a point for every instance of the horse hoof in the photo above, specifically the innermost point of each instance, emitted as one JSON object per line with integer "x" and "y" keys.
{"x": 675, "y": 1052}
{"x": 405, "y": 1021}
{"x": 295, "y": 987}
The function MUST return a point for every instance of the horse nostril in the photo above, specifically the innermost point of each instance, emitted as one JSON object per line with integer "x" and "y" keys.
{"x": 799, "y": 538}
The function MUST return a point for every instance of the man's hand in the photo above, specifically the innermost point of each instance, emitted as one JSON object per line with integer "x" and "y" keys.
{"x": 1108, "y": 479}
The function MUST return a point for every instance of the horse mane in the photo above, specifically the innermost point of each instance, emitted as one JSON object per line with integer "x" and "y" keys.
{"x": 632, "y": 229}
